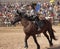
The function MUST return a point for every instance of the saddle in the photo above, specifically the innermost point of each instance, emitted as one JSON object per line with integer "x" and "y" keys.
{"x": 36, "y": 20}
{"x": 40, "y": 23}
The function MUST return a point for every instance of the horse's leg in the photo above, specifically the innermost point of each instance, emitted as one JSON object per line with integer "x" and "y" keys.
{"x": 52, "y": 36}
{"x": 45, "y": 34}
{"x": 26, "y": 38}
{"x": 35, "y": 40}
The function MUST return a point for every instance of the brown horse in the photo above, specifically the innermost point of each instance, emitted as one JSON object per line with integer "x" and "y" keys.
{"x": 30, "y": 29}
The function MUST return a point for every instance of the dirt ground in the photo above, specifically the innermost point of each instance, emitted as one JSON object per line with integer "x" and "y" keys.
{"x": 13, "y": 38}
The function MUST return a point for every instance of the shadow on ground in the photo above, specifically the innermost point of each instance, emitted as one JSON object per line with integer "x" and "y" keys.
{"x": 55, "y": 47}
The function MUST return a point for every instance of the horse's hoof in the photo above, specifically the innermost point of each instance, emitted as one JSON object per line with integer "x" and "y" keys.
{"x": 51, "y": 45}
{"x": 38, "y": 47}
{"x": 26, "y": 47}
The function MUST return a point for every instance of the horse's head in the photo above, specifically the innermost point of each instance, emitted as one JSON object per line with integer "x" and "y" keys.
{"x": 21, "y": 13}
{"x": 17, "y": 17}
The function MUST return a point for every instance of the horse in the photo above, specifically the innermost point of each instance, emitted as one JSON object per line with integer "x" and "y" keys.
{"x": 30, "y": 29}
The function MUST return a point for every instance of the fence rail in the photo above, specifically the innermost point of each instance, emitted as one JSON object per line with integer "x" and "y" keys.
{"x": 24, "y": 1}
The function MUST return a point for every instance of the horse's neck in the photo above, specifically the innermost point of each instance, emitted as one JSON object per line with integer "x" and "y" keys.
{"x": 24, "y": 22}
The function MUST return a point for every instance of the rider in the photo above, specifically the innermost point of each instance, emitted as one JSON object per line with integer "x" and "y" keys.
{"x": 32, "y": 15}
{"x": 30, "y": 12}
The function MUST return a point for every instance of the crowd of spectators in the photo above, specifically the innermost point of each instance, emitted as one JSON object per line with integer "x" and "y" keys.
{"x": 50, "y": 10}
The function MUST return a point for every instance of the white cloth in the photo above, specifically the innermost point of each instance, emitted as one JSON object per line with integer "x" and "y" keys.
{"x": 30, "y": 12}
{"x": 47, "y": 18}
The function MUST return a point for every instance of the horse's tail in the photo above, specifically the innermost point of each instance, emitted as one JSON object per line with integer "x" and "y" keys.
{"x": 53, "y": 30}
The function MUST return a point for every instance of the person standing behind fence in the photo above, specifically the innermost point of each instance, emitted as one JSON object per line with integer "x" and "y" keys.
{"x": 37, "y": 8}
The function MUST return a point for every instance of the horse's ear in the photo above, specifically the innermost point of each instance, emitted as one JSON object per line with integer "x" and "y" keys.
{"x": 18, "y": 12}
